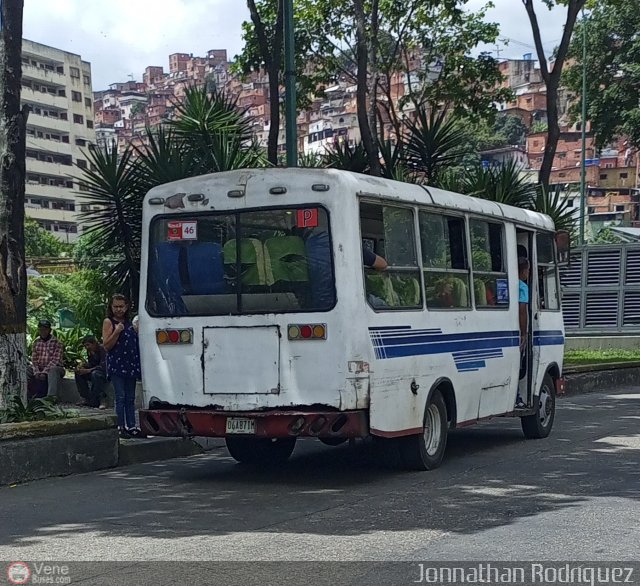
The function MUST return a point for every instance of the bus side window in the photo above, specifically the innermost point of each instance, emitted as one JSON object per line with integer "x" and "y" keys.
{"x": 388, "y": 231}
{"x": 490, "y": 282}
{"x": 445, "y": 261}
{"x": 547, "y": 272}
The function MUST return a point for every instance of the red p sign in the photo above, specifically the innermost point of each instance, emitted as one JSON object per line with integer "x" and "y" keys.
{"x": 307, "y": 218}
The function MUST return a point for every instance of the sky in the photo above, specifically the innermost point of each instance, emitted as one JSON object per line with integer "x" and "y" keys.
{"x": 122, "y": 37}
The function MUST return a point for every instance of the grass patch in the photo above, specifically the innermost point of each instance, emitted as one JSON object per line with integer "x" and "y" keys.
{"x": 600, "y": 356}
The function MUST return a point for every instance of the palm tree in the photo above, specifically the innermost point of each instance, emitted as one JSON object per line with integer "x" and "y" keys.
{"x": 435, "y": 141}
{"x": 502, "y": 183}
{"x": 348, "y": 158}
{"x": 114, "y": 192}
{"x": 550, "y": 201}
{"x": 217, "y": 132}
{"x": 394, "y": 162}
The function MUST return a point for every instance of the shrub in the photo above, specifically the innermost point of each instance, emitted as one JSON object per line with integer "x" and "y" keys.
{"x": 34, "y": 410}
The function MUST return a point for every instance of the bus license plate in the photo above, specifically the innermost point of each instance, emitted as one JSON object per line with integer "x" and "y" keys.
{"x": 239, "y": 425}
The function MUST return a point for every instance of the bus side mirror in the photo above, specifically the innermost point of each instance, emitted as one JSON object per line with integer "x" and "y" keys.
{"x": 563, "y": 247}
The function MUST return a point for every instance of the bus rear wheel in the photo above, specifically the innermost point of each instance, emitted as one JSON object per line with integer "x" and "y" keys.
{"x": 261, "y": 451}
{"x": 426, "y": 451}
{"x": 538, "y": 425}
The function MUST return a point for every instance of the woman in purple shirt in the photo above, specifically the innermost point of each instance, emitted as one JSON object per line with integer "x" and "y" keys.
{"x": 120, "y": 340}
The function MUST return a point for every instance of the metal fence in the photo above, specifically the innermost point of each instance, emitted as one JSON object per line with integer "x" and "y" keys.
{"x": 601, "y": 290}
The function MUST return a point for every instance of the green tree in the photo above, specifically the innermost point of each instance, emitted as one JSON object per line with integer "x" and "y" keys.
{"x": 371, "y": 42}
{"x": 213, "y": 131}
{"x": 607, "y": 236}
{"x": 435, "y": 141}
{"x": 138, "y": 108}
{"x": 503, "y": 184}
{"x": 40, "y": 242}
{"x": 505, "y": 131}
{"x": 551, "y": 75}
{"x": 613, "y": 70}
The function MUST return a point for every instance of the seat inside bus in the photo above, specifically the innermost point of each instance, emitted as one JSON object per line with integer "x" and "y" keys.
{"x": 446, "y": 291}
{"x": 394, "y": 290}
{"x": 183, "y": 269}
{"x": 280, "y": 259}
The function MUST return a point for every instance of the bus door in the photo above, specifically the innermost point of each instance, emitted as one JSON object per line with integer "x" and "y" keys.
{"x": 526, "y": 376}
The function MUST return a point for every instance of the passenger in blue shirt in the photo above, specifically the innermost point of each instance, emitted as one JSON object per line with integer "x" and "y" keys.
{"x": 523, "y": 314}
{"x": 523, "y": 299}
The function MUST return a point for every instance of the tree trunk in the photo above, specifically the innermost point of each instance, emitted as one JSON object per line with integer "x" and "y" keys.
{"x": 552, "y": 79}
{"x": 553, "y": 134}
{"x": 368, "y": 138}
{"x": 272, "y": 58}
{"x": 373, "y": 73}
{"x": 13, "y": 276}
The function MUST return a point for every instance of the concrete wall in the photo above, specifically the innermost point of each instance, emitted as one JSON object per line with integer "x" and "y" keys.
{"x": 68, "y": 393}
{"x": 602, "y": 342}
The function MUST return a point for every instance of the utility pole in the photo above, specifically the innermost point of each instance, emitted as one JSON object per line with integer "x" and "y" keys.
{"x": 291, "y": 132}
{"x": 583, "y": 166}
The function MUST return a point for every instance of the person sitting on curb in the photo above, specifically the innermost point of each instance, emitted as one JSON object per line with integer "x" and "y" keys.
{"x": 46, "y": 359}
{"x": 91, "y": 377}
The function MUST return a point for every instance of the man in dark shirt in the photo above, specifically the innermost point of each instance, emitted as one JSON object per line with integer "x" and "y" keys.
{"x": 372, "y": 260}
{"x": 91, "y": 378}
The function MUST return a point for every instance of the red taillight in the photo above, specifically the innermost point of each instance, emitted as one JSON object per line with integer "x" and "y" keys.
{"x": 182, "y": 336}
{"x": 307, "y": 331}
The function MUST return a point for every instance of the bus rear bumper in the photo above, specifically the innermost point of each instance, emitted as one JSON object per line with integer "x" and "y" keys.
{"x": 187, "y": 423}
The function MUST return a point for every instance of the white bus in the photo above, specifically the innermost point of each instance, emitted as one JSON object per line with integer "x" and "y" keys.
{"x": 260, "y": 323}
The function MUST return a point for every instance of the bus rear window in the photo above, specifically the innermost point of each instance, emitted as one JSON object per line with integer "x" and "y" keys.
{"x": 264, "y": 261}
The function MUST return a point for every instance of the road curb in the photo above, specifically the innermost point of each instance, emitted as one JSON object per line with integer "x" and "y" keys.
{"x": 600, "y": 378}
{"x": 139, "y": 451}
{"x": 42, "y": 456}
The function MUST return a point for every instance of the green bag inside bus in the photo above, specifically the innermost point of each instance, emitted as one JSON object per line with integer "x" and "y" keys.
{"x": 480, "y": 292}
{"x": 380, "y": 286}
{"x": 460, "y": 293}
{"x": 285, "y": 258}
{"x": 252, "y": 260}
{"x": 407, "y": 289}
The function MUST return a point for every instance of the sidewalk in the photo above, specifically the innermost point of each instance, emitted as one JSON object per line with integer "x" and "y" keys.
{"x": 153, "y": 448}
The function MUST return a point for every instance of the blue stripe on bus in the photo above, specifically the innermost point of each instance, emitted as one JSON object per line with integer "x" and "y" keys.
{"x": 470, "y": 350}
{"x": 548, "y": 338}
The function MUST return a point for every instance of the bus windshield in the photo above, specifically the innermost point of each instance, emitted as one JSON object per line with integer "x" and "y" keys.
{"x": 262, "y": 261}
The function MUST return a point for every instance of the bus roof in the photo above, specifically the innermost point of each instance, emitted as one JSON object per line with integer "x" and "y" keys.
{"x": 366, "y": 185}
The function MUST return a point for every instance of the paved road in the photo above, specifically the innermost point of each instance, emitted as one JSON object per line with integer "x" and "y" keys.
{"x": 574, "y": 496}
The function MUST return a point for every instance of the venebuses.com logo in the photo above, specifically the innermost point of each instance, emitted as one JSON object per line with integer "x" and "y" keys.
{"x": 18, "y": 573}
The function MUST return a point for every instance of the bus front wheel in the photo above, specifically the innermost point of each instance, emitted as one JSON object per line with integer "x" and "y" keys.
{"x": 538, "y": 425}
{"x": 425, "y": 451}
{"x": 260, "y": 451}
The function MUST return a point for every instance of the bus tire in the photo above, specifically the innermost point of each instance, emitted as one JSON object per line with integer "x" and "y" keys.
{"x": 538, "y": 425}
{"x": 261, "y": 451}
{"x": 426, "y": 450}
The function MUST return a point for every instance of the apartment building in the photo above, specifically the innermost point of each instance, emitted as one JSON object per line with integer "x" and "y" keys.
{"x": 56, "y": 85}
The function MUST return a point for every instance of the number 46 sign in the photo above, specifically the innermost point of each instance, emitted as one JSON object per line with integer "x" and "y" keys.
{"x": 183, "y": 231}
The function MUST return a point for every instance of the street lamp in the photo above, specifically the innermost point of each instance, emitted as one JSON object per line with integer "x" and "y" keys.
{"x": 291, "y": 133}
{"x": 583, "y": 169}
